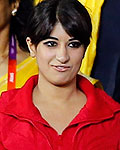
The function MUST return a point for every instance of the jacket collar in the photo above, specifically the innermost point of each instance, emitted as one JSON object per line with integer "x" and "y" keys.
{"x": 99, "y": 105}
{"x": 19, "y": 103}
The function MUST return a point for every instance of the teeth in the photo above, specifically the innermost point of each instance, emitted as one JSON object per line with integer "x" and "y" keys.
{"x": 60, "y": 67}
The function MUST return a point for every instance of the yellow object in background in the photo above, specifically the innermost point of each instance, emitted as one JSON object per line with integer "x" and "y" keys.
{"x": 94, "y": 9}
{"x": 37, "y": 1}
{"x": 25, "y": 70}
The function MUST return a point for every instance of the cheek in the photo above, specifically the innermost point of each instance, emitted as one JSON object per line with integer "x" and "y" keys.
{"x": 6, "y": 11}
{"x": 44, "y": 56}
{"x": 77, "y": 59}
{"x": 4, "y": 17}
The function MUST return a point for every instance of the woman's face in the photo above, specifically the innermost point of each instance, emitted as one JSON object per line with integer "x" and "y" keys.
{"x": 59, "y": 57}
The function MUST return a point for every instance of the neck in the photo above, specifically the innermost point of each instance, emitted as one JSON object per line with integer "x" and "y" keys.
{"x": 4, "y": 41}
{"x": 49, "y": 92}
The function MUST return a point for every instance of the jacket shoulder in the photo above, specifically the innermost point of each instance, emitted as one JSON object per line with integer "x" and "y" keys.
{"x": 107, "y": 99}
{"x": 6, "y": 97}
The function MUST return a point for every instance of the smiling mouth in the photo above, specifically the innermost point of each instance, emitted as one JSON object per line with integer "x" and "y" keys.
{"x": 61, "y": 68}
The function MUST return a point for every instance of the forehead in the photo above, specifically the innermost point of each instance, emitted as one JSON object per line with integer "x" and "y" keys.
{"x": 59, "y": 31}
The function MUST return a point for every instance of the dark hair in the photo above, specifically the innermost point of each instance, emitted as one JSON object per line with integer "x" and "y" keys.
{"x": 70, "y": 13}
{"x": 18, "y": 22}
{"x": 11, "y": 1}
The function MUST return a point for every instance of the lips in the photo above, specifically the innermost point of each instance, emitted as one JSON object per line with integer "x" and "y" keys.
{"x": 61, "y": 68}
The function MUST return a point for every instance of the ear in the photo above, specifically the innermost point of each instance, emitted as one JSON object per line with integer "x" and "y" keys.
{"x": 15, "y": 6}
{"x": 31, "y": 47}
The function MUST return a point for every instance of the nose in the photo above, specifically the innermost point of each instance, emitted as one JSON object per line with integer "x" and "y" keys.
{"x": 62, "y": 55}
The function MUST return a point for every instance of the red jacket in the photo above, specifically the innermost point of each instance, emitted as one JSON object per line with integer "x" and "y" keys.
{"x": 96, "y": 127}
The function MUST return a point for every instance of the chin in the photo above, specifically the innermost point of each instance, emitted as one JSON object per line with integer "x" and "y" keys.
{"x": 62, "y": 82}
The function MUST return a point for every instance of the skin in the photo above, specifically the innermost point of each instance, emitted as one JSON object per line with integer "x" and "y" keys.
{"x": 5, "y": 11}
{"x": 5, "y": 17}
{"x": 59, "y": 58}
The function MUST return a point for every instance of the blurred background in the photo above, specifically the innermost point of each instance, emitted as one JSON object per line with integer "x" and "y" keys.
{"x": 106, "y": 66}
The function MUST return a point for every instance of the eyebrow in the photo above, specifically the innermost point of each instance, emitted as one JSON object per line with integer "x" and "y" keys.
{"x": 72, "y": 39}
{"x": 54, "y": 38}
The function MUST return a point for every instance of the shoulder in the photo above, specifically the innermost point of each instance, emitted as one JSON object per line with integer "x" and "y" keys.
{"x": 102, "y": 109}
{"x": 107, "y": 99}
{"x": 15, "y": 95}
{"x": 6, "y": 98}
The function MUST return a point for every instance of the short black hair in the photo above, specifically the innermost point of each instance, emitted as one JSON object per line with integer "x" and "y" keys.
{"x": 72, "y": 15}
{"x": 18, "y": 22}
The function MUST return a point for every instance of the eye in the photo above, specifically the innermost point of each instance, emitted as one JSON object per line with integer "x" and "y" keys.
{"x": 74, "y": 44}
{"x": 50, "y": 43}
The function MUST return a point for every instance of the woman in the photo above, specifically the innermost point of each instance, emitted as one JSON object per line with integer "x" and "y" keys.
{"x": 13, "y": 66}
{"x": 59, "y": 109}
